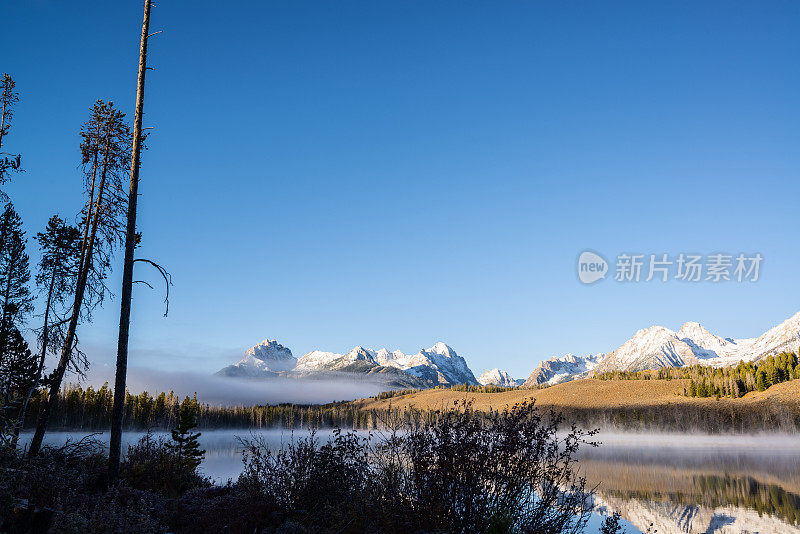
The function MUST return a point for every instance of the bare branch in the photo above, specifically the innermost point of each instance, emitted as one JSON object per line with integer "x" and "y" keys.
{"x": 167, "y": 280}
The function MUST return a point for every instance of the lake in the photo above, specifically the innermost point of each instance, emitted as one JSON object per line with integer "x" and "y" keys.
{"x": 688, "y": 484}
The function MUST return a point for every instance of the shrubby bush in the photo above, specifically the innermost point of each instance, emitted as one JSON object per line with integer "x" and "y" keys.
{"x": 153, "y": 464}
{"x": 508, "y": 472}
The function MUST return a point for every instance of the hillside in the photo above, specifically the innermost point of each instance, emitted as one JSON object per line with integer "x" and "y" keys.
{"x": 589, "y": 393}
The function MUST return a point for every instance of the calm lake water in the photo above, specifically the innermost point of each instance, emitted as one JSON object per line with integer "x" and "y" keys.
{"x": 678, "y": 483}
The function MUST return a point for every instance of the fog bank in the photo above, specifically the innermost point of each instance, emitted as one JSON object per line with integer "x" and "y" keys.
{"x": 217, "y": 390}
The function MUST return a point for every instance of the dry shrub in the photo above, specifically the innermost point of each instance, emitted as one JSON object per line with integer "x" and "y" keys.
{"x": 509, "y": 471}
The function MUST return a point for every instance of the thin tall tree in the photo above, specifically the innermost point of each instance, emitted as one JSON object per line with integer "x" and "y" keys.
{"x": 118, "y": 410}
{"x": 105, "y": 146}
{"x": 8, "y": 99}
{"x": 58, "y": 269}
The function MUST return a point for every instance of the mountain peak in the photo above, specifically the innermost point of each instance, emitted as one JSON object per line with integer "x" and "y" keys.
{"x": 263, "y": 359}
{"x": 497, "y": 377}
{"x": 442, "y": 348}
{"x": 268, "y": 346}
{"x": 692, "y": 329}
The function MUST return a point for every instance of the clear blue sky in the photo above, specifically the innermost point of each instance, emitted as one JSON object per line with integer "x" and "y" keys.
{"x": 396, "y": 173}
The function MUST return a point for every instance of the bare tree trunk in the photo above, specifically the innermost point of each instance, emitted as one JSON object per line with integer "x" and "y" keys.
{"x": 69, "y": 340}
{"x": 118, "y": 410}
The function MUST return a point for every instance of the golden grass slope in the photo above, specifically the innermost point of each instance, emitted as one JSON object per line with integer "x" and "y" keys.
{"x": 589, "y": 393}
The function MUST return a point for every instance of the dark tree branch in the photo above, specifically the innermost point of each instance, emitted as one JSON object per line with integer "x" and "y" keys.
{"x": 167, "y": 280}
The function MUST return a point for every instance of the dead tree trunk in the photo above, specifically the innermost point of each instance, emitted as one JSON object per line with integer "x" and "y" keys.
{"x": 118, "y": 410}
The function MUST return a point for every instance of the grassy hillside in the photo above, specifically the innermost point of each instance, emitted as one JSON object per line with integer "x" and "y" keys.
{"x": 589, "y": 393}
{"x": 629, "y": 404}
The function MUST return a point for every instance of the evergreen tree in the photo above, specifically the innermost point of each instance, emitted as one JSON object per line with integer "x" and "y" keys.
{"x": 60, "y": 246}
{"x": 761, "y": 381}
{"x": 184, "y": 441}
{"x": 19, "y": 372}
{"x": 58, "y": 269}
{"x": 19, "y": 366}
{"x": 105, "y": 147}
{"x": 8, "y": 99}
{"x": 16, "y": 301}
{"x": 774, "y": 374}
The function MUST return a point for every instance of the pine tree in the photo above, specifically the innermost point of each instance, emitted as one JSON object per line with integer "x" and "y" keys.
{"x": 185, "y": 443}
{"x": 19, "y": 366}
{"x": 774, "y": 374}
{"x": 8, "y": 99}
{"x": 58, "y": 271}
{"x": 105, "y": 146}
{"x": 761, "y": 381}
{"x": 60, "y": 251}
{"x": 19, "y": 372}
{"x": 16, "y": 301}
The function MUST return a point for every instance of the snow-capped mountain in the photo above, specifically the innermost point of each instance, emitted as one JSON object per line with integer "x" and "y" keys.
{"x": 438, "y": 365}
{"x": 268, "y": 358}
{"x": 650, "y": 348}
{"x": 667, "y": 517}
{"x": 659, "y": 347}
{"x": 556, "y": 370}
{"x": 497, "y": 377}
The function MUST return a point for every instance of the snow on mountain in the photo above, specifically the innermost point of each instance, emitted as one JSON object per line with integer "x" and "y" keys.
{"x": 659, "y": 347}
{"x": 556, "y": 370}
{"x": 784, "y": 337}
{"x": 438, "y": 365}
{"x": 331, "y": 361}
{"x": 449, "y": 367}
{"x": 666, "y": 517}
{"x": 651, "y": 348}
{"x": 267, "y": 358}
{"x": 497, "y": 377}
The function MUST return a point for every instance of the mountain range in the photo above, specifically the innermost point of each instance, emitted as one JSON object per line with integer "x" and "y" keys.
{"x": 438, "y": 365}
{"x": 652, "y": 348}
{"x": 658, "y": 347}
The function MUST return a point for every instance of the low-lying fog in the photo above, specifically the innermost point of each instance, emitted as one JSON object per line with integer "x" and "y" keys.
{"x": 219, "y": 390}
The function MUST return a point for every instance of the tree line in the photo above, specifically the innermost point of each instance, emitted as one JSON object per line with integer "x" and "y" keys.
{"x": 90, "y": 409}
{"x": 732, "y": 382}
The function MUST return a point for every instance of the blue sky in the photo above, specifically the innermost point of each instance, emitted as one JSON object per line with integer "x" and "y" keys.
{"x": 397, "y": 173}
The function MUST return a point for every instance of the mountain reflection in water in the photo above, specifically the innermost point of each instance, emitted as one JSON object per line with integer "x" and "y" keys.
{"x": 699, "y": 484}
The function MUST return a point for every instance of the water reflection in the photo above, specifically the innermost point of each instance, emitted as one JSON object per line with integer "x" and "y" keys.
{"x": 699, "y": 484}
